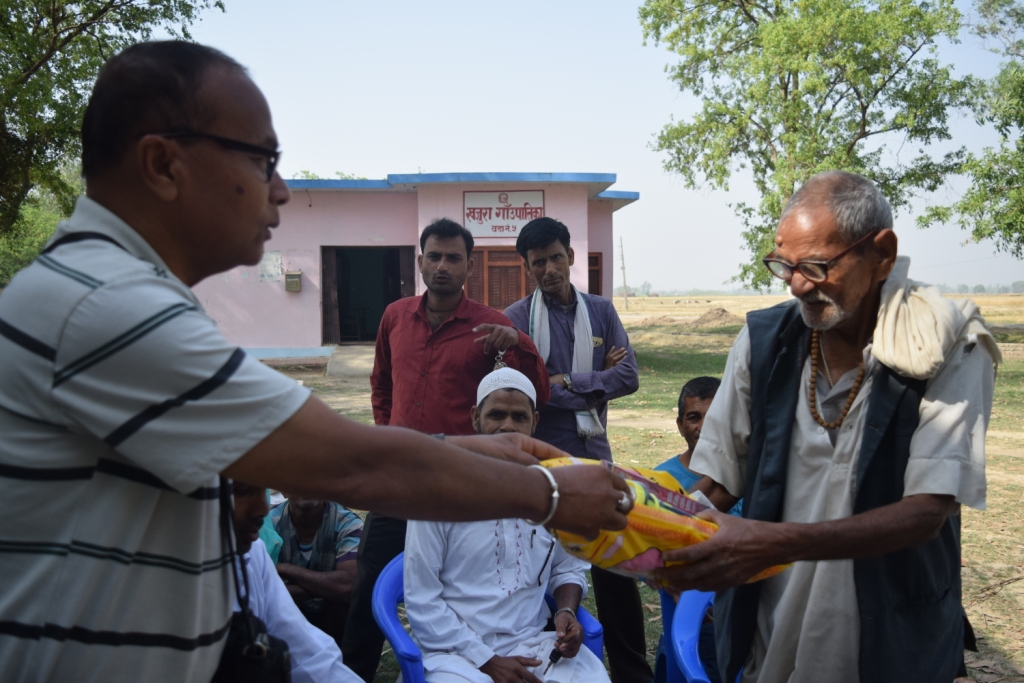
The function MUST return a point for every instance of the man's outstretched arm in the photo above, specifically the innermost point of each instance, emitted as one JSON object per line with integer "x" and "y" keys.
{"x": 742, "y": 548}
{"x": 402, "y": 473}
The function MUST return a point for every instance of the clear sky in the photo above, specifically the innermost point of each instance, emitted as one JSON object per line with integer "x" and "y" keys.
{"x": 372, "y": 88}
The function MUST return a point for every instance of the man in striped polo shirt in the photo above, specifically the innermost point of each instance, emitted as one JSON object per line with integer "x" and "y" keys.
{"x": 121, "y": 403}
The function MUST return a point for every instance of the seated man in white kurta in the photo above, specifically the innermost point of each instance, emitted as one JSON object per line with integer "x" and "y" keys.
{"x": 474, "y": 592}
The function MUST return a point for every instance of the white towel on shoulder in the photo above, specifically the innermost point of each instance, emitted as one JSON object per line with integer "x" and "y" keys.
{"x": 917, "y": 326}
{"x": 588, "y": 424}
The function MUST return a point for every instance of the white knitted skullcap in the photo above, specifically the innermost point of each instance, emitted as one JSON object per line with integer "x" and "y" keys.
{"x": 505, "y": 378}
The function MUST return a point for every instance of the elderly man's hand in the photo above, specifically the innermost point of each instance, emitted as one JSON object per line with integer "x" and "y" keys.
{"x": 511, "y": 669}
{"x": 569, "y": 634}
{"x": 737, "y": 551}
{"x": 497, "y": 337}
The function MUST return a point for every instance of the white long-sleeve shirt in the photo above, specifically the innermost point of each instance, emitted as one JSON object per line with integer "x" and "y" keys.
{"x": 476, "y": 589}
{"x": 315, "y": 656}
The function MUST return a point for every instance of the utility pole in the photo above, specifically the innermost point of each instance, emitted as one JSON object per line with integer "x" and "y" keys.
{"x": 625, "y": 287}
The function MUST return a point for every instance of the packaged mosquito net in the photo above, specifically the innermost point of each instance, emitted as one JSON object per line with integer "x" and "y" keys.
{"x": 663, "y": 518}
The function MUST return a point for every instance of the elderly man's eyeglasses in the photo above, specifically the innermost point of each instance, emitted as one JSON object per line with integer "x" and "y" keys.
{"x": 271, "y": 155}
{"x": 815, "y": 271}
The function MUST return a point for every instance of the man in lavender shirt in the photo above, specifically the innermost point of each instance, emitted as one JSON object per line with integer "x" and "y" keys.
{"x": 590, "y": 361}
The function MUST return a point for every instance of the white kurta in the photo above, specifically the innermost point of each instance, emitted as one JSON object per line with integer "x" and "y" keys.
{"x": 315, "y": 656}
{"x": 474, "y": 590}
{"x": 808, "y": 626}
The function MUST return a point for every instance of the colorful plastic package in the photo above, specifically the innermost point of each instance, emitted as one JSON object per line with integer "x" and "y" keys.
{"x": 663, "y": 518}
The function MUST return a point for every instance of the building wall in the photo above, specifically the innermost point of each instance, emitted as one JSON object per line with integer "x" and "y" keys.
{"x": 255, "y": 311}
{"x": 566, "y": 203}
{"x": 602, "y": 239}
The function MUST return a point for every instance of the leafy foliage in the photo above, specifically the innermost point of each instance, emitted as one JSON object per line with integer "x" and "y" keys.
{"x": 790, "y": 88}
{"x": 993, "y": 205}
{"x": 40, "y": 213}
{"x": 50, "y": 54}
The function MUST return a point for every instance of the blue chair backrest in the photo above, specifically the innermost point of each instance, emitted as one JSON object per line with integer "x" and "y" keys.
{"x": 686, "y": 622}
{"x": 388, "y": 593}
{"x": 666, "y": 667}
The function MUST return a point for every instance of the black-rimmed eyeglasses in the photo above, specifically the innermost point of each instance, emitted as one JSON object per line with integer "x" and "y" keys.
{"x": 272, "y": 155}
{"x": 815, "y": 271}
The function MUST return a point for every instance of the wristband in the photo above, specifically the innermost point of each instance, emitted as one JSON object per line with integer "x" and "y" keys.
{"x": 568, "y": 381}
{"x": 554, "y": 495}
{"x": 565, "y": 609}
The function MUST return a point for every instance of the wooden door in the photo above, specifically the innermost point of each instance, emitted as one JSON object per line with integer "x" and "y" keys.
{"x": 407, "y": 270}
{"x": 499, "y": 277}
{"x": 594, "y": 272}
{"x": 330, "y": 322}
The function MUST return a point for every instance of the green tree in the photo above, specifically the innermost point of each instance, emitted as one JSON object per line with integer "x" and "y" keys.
{"x": 793, "y": 87}
{"x": 979, "y": 289}
{"x": 1017, "y": 287}
{"x": 993, "y": 205}
{"x": 40, "y": 213}
{"x": 50, "y": 54}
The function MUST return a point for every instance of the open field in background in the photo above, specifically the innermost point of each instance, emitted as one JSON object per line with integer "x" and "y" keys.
{"x": 670, "y": 350}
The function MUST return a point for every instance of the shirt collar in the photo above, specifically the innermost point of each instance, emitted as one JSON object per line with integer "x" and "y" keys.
{"x": 91, "y": 216}
{"x": 552, "y": 302}
{"x": 461, "y": 311}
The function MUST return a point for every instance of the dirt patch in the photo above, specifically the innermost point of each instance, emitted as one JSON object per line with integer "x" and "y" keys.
{"x": 717, "y": 317}
{"x": 636, "y": 419}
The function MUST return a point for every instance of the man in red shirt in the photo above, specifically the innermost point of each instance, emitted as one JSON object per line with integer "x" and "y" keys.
{"x": 432, "y": 353}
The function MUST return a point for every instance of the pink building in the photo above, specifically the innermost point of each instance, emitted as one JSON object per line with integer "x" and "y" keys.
{"x": 345, "y": 249}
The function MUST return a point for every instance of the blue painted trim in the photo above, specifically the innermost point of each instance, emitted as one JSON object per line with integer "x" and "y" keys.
{"x": 328, "y": 184}
{"x": 617, "y": 194}
{"x": 313, "y": 352}
{"x": 424, "y": 178}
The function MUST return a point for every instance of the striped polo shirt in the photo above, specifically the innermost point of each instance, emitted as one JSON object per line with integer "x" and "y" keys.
{"x": 120, "y": 402}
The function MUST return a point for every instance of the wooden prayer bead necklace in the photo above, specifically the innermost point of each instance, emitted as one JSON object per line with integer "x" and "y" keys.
{"x": 812, "y": 391}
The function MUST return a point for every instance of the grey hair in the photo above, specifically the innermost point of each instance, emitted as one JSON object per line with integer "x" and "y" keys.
{"x": 855, "y": 202}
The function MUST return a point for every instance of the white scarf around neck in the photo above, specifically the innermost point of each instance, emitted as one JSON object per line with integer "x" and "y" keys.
{"x": 917, "y": 326}
{"x": 588, "y": 423}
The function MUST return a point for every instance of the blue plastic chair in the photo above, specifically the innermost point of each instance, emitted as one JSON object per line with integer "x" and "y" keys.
{"x": 686, "y": 621}
{"x": 666, "y": 667}
{"x": 388, "y": 593}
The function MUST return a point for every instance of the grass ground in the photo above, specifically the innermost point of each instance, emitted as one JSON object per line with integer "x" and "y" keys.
{"x": 642, "y": 431}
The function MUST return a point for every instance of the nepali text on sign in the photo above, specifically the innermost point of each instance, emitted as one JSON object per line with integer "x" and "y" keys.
{"x": 501, "y": 214}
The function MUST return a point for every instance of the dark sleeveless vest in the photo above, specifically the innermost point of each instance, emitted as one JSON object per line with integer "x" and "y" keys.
{"x": 911, "y": 625}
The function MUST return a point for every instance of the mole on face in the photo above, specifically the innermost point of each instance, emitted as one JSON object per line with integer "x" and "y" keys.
{"x": 239, "y": 190}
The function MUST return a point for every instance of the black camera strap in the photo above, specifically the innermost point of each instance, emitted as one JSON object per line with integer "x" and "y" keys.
{"x": 237, "y": 561}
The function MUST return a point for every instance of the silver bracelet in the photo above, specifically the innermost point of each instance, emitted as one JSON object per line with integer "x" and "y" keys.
{"x": 554, "y": 495}
{"x": 565, "y": 609}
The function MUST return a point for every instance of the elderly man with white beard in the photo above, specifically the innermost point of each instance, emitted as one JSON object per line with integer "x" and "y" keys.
{"x": 851, "y": 420}
{"x": 474, "y": 593}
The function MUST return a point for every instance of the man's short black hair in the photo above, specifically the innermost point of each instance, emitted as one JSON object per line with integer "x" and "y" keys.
{"x": 446, "y": 228}
{"x": 146, "y": 88}
{"x": 539, "y": 233}
{"x": 701, "y": 388}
